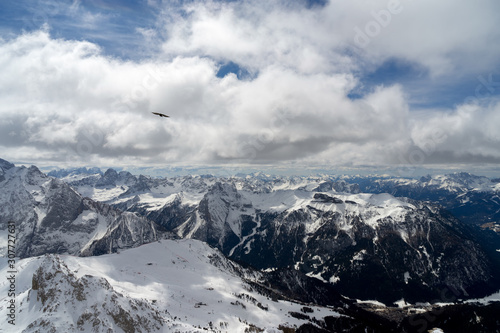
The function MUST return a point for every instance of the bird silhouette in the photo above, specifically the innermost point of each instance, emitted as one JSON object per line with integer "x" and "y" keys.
{"x": 160, "y": 114}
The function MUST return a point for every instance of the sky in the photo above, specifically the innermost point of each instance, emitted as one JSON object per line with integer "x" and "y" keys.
{"x": 274, "y": 84}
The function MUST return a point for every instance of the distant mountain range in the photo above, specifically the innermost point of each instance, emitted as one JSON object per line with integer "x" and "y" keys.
{"x": 304, "y": 239}
{"x": 324, "y": 227}
{"x": 473, "y": 199}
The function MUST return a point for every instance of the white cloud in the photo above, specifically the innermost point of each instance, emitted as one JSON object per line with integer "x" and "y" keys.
{"x": 256, "y": 35}
{"x": 65, "y": 101}
{"x": 442, "y": 37}
{"x": 82, "y": 104}
{"x": 468, "y": 134}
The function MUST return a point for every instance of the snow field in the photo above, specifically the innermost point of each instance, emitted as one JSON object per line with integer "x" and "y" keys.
{"x": 176, "y": 277}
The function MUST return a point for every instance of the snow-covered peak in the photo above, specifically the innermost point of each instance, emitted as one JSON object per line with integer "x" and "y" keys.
{"x": 59, "y": 301}
{"x": 168, "y": 286}
{"x": 459, "y": 182}
{"x": 51, "y": 217}
{"x": 5, "y": 165}
{"x": 25, "y": 182}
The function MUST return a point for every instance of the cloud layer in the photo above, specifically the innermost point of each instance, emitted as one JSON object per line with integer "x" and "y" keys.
{"x": 66, "y": 102}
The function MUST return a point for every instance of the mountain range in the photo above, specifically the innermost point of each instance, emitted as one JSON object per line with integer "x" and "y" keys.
{"x": 473, "y": 199}
{"x": 51, "y": 217}
{"x": 322, "y": 227}
{"x": 337, "y": 247}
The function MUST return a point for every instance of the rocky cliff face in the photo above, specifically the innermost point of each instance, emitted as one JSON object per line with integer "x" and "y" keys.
{"x": 51, "y": 217}
{"x": 219, "y": 218}
{"x": 369, "y": 246}
{"x": 58, "y": 301}
{"x": 4, "y": 166}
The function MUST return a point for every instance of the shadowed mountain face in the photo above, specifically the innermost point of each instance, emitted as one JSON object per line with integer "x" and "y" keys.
{"x": 51, "y": 217}
{"x": 369, "y": 246}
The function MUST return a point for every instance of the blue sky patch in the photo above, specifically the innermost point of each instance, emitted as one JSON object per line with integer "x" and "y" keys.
{"x": 231, "y": 67}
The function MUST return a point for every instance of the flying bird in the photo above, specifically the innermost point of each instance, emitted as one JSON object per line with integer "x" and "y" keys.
{"x": 160, "y": 114}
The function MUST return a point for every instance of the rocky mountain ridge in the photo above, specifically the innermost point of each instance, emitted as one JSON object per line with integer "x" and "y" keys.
{"x": 51, "y": 217}
{"x": 320, "y": 226}
{"x": 313, "y": 239}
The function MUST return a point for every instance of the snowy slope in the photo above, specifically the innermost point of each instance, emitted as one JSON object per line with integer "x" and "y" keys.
{"x": 166, "y": 286}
